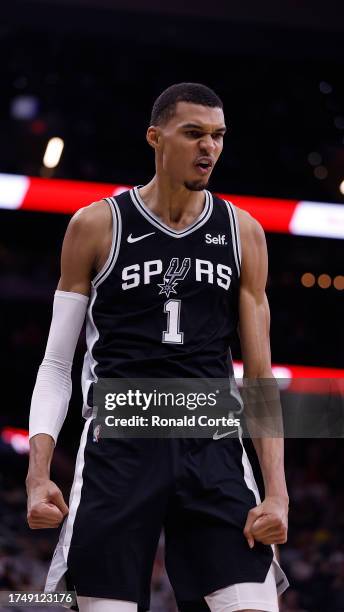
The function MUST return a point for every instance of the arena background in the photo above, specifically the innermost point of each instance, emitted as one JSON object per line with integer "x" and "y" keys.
{"x": 87, "y": 72}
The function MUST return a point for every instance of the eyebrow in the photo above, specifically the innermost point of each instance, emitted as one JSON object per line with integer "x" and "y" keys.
{"x": 196, "y": 126}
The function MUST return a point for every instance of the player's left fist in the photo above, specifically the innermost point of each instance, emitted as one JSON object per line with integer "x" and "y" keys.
{"x": 268, "y": 522}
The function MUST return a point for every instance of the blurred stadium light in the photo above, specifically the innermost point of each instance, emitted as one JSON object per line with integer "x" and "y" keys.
{"x": 301, "y": 218}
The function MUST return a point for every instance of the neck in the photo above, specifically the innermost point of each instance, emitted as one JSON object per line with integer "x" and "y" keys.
{"x": 175, "y": 205}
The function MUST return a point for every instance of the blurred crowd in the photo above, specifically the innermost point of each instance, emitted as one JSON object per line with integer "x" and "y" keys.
{"x": 314, "y": 555}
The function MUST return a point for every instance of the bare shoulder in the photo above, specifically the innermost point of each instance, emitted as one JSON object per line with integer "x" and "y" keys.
{"x": 83, "y": 246}
{"x": 92, "y": 219}
{"x": 250, "y": 229}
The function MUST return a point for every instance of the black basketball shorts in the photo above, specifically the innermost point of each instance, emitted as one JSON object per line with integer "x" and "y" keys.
{"x": 125, "y": 491}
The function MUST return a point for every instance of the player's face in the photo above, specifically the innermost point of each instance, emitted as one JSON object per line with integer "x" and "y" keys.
{"x": 191, "y": 143}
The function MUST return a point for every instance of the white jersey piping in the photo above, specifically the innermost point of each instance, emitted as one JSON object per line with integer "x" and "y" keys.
{"x": 235, "y": 235}
{"x": 115, "y": 244}
{"x": 88, "y": 375}
{"x": 154, "y": 220}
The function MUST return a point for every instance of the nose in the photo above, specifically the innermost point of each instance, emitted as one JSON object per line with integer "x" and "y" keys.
{"x": 207, "y": 143}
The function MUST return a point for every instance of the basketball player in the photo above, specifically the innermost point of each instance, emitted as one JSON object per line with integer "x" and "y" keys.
{"x": 164, "y": 273}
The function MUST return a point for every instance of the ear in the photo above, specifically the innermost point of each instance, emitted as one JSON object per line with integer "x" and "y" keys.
{"x": 153, "y": 136}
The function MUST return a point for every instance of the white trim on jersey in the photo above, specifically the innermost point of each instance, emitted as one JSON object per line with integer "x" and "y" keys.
{"x": 88, "y": 375}
{"x": 282, "y": 582}
{"x": 237, "y": 229}
{"x": 58, "y": 567}
{"x": 235, "y": 234}
{"x": 75, "y": 495}
{"x": 248, "y": 474}
{"x": 154, "y": 220}
{"x": 115, "y": 244}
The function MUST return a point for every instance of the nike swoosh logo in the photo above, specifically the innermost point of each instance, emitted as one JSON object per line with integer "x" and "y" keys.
{"x": 218, "y": 436}
{"x": 131, "y": 239}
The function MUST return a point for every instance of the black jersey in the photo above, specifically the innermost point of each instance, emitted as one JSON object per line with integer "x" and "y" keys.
{"x": 163, "y": 306}
{"x": 166, "y": 301}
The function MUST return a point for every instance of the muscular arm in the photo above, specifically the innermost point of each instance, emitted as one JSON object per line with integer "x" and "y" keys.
{"x": 254, "y": 327}
{"x": 83, "y": 252}
{"x": 80, "y": 250}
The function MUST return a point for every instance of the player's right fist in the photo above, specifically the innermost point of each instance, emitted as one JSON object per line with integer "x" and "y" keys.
{"x": 46, "y": 507}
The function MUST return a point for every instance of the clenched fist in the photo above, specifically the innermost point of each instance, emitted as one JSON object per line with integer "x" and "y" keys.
{"x": 46, "y": 507}
{"x": 268, "y": 522}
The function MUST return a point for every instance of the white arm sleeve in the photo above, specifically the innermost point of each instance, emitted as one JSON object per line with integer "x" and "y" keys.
{"x": 53, "y": 388}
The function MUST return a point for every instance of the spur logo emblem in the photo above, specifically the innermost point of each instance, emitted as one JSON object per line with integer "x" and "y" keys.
{"x": 174, "y": 274}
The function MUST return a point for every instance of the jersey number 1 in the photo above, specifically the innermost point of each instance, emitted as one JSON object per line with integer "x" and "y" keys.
{"x": 173, "y": 334}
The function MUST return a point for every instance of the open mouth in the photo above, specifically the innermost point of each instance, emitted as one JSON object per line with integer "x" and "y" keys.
{"x": 204, "y": 166}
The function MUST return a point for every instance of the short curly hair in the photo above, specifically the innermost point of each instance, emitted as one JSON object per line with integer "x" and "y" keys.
{"x": 165, "y": 105}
